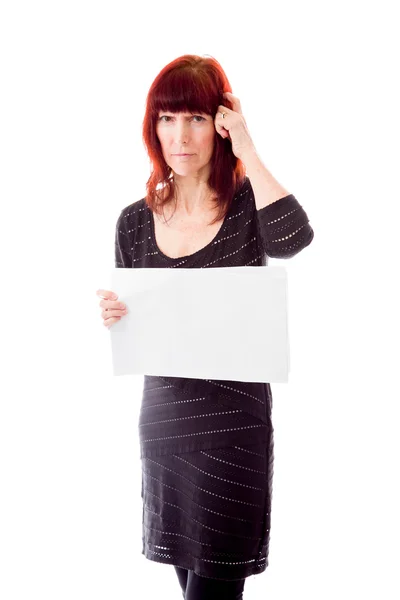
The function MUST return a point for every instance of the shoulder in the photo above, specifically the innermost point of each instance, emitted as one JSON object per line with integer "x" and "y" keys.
{"x": 132, "y": 215}
{"x": 244, "y": 198}
{"x": 244, "y": 189}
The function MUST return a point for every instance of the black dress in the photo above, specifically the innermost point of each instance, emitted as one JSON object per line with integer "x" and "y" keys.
{"x": 207, "y": 445}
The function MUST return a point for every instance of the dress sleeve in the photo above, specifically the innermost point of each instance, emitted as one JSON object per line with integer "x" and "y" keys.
{"x": 283, "y": 227}
{"x": 123, "y": 255}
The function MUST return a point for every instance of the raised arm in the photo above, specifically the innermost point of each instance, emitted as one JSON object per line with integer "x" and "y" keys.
{"x": 282, "y": 223}
{"x": 284, "y": 228}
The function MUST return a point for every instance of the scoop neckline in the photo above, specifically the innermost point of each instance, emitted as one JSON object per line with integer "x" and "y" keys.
{"x": 198, "y": 252}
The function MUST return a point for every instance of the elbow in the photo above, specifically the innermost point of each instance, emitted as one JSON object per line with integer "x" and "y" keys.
{"x": 285, "y": 251}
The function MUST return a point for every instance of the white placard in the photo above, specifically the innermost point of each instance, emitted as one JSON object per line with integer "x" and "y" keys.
{"x": 228, "y": 323}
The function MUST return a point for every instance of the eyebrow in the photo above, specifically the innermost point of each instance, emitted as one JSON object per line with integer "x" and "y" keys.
{"x": 163, "y": 112}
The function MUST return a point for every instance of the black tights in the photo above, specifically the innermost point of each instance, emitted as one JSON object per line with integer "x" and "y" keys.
{"x": 195, "y": 587}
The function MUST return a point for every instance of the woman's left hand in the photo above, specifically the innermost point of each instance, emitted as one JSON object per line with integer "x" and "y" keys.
{"x": 233, "y": 126}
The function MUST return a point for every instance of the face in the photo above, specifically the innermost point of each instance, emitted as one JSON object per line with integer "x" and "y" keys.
{"x": 193, "y": 134}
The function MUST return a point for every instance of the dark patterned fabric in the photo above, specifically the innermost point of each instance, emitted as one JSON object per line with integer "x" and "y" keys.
{"x": 206, "y": 446}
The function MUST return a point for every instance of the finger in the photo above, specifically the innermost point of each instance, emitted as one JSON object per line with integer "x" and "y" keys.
{"x": 219, "y": 120}
{"x": 223, "y": 109}
{"x": 237, "y": 107}
{"x": 220, "y": 126}
{"x": 112, "y": 304}
{"x": 109, "y": 313}
{"x": 107, "y": 294}
{"x": 222, "y": 132}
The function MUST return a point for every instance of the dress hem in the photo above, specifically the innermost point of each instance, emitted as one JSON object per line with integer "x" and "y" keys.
{"x": 184, "y": 564}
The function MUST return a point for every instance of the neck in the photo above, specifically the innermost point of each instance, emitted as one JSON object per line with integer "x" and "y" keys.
{"x": 194, "y": 201}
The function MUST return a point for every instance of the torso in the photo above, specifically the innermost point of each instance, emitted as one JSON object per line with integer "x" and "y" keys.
{"x": 181, "y": 236}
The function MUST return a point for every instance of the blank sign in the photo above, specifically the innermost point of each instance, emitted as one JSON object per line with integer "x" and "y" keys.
{"x": 228, "y": 323}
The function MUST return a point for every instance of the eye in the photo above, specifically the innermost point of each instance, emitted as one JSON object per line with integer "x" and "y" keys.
{"x": 194, "y": 117}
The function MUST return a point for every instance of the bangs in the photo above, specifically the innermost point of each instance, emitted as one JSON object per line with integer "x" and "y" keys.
{"x": 185, "y": 90}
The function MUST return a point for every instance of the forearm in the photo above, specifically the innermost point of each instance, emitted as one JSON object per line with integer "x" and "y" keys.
{"x": 265, "y": 187}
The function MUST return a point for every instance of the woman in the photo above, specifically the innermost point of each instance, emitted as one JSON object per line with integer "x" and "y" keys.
{"x": 206, "y": 445}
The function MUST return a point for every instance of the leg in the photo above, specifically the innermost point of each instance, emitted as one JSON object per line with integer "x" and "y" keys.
{"x": 182, "y": 576}
{"x": 204, "y": 588}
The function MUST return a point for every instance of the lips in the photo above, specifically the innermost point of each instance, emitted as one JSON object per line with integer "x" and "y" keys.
{"x": 183, "y": 154}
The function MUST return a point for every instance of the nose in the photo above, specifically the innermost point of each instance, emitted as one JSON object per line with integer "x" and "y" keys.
{"x": 181, "y": 133}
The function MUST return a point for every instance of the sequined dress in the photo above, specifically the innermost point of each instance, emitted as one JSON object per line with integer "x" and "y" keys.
{"x": 206, "y": 446}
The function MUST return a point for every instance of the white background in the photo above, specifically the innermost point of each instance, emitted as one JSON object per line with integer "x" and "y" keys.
{"x": 317, "y": 83}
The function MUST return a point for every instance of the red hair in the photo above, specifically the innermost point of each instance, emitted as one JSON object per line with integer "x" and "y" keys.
{"x": 192, "y": 84}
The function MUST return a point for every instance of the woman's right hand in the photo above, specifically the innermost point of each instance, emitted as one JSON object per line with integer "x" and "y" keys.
{"x": 112, "y": 309}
